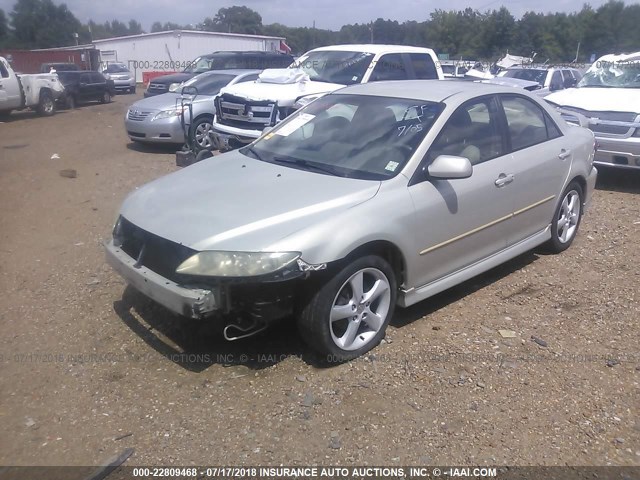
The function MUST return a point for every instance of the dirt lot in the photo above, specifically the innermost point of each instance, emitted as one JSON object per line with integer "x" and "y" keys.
{"x": 88, "y": 367}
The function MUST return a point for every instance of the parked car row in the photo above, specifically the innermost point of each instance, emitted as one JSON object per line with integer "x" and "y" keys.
{"x": 466, "y": 176}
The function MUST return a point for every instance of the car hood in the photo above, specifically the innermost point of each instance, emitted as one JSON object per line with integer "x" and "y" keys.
{"x": 598, "y": 99}
{"x": 233, "y": 202}
{"x": 167, "y": 101}
{"x": 284, "y": 94}
{"x": 173, "y": 78}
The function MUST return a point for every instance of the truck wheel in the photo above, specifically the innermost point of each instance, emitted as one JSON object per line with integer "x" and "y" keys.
{"x": 348, "y": 314}
{"x": 106, "y": 97}
{"x": 46, "y": 105}
{"x": 4, "y": 114}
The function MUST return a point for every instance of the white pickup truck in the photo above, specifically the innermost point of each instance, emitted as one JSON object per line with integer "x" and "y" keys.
{"x": 17, "y": 92}
{"x": 244, "y": 110}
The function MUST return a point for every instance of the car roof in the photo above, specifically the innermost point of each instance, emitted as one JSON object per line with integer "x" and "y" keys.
{"x": 375, "y": 49}
{"x": 231, "y": 71}
{"x": 243, "y": 52}
{"x": 426, "y": 90}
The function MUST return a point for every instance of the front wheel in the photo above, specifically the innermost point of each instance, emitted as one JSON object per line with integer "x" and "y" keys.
{"x": 201, "y": 134}
{"x": 106, "y": 97}
{"x": 46, "y": 105}
{"x": 566, "y": 219}
{"x": 348, "y": 315}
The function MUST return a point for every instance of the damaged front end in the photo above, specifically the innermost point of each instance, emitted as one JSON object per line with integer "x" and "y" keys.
{"x": 245, "y": 291}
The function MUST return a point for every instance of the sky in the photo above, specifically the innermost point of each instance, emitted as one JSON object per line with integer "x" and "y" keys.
{"x": 327, "y": 14}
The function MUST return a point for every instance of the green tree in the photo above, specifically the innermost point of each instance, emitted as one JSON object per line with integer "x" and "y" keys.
{"x": 235, "y": 20}
{"x": 42, "y": 24}
{"x": 4, "y": 26}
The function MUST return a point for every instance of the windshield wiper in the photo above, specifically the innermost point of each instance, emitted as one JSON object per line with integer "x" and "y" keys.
{"x": 253, "y": 152}
{"x": 304, "y": 163}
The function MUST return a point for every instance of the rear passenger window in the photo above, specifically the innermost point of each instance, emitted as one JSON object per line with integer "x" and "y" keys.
{"x": 423, "y": 66}
{"x": 4, "y": 73}
{"x": 527, "y": 123}
{"x": 389, "y": 67}
{"x": 472, "y": 132}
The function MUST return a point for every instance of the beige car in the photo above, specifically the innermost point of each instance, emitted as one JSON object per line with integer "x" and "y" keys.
{"x": 375, "y": 196}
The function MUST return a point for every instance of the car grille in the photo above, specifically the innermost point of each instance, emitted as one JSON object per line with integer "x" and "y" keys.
{"x": 620, "y": 130}
{"x": 160, "y": 255}
{"x": 158, "y": 88}
{"x": 237, "y": 112}
{"x": 137, "y": 115}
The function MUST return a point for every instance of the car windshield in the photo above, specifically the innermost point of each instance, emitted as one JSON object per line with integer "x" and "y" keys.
{"x": 612, "y": 74}
{"x": 530, "y": 74}
{"x": 199, "y": 65}
{"x": 209, "y": 84}
{"x": 345, "y": 68}
{"x": 116, "y": 68}
{"x": 355, "y": 136}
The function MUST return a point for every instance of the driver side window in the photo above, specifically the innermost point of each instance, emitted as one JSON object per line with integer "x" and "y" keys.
{"x": 472, "y": 132}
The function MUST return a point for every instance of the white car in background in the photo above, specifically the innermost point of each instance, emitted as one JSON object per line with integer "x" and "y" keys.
{"x": 609, "y": 97}
{"x": 539, "y": 80}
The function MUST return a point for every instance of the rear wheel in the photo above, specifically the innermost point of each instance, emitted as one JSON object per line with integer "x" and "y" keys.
{"x": 106, "y": 97}
{"x": 348, "y": 315}
{"x": 46, "y": 106}
{"x": 566, "y": 219}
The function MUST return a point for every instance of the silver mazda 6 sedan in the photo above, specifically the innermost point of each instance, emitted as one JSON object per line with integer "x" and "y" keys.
{"x": 372, "y": 197}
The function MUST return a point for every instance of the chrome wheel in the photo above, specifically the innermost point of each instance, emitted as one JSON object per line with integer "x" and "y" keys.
{"x": 203, "y": 135}
{"x": 568, "y": 216}
{"x": 360, "y": 309}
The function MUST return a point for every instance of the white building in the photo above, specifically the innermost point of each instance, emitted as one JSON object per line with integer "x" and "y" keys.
{"x": 171, "y": 51}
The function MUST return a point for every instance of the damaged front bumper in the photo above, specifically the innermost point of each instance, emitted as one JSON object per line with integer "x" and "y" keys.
{"x": 187, "y": 301}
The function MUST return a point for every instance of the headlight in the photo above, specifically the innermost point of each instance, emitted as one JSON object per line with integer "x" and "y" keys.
{"x": 174, "y": 112}
{"x": 236, "y": 264}
{"x": 174, "y": 86}
{"x": 306, "y": 100}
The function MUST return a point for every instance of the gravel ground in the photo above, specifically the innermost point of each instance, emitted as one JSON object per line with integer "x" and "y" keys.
{"x": 88, "y": 367}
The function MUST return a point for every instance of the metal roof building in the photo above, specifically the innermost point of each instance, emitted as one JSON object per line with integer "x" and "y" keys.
{"x": 171, "y": 51}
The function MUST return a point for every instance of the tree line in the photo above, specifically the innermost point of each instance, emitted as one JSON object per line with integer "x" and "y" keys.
{"x": 468, "y": 33}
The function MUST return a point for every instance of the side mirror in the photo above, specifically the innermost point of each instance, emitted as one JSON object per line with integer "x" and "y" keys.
{"x": 450, "y": 166}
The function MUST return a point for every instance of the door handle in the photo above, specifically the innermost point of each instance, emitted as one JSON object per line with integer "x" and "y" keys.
{"x": 503, "y": 180}
{"x": 564, "y": 154}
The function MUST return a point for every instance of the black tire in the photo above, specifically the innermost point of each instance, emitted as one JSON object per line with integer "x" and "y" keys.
{"x": 200, "y": 134}
{"x": 562, "y": 236}
{"x": 46, "y": 106}
{"x": 203, "y": 154}
{"x": 5, "y": 114}
{"x": 331, "y": 337}
{"x": 133, "y": 90}
{"x": 106, "y": 97}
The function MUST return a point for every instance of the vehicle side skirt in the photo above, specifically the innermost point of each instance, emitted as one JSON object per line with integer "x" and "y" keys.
{"x": 408, "y": 297}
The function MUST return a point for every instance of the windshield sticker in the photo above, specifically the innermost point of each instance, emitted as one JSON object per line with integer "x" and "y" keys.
{"x": 295, "y": 124}
{"x": 391, "y": 166}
